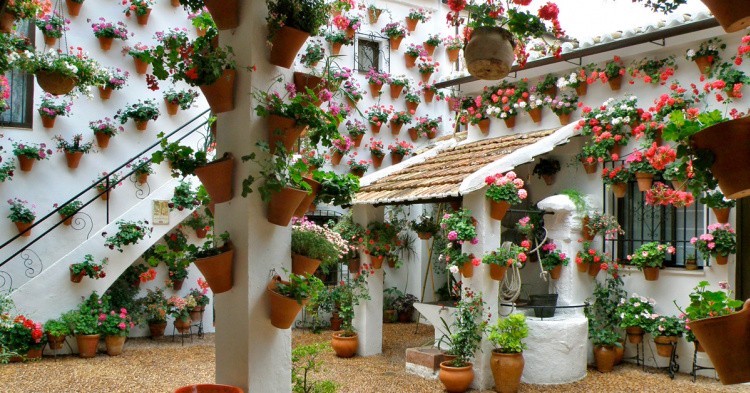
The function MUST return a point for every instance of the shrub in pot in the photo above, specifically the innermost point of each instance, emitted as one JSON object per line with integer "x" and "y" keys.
{"x": 351, "y": 292}
{"x": 507, "y": 358}
{"x": 404, "y": 306}
{"x": 604, "y": 319}
{"x": 155, "y": 307}
{"x": 56, "y": 330}
{"x": 635, "y": 317}
{"x": 465, "y": 335}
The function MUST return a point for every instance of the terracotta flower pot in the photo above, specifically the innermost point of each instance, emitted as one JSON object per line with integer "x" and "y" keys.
{"x": 507, "y": 369}
{"x": 336, "y": 48}
{"x": 286, "y": 43}
{"x": 619, "y": 189}
{"x": 651, "y": 273}
{"x": 704, "y": 64}
{"x": 105, "y": 42}
{"x": 73, "y": 8}
{"x": 396, "y": 158}
{"x": 105, "y": 93}
{"x": 615, "y": 83}
{"x": 497, "y": 272}
{"x": 172, "y": 108}
{"x": 374, "y": 15}
{"x": 7, "y": 20}
{"x": 344, "y": 347}
{"x": 555, "y": 272}
{"x": 429, "y": 48}
{"x": 377, "y": 261}
{"x": 424, "y": 235}
{"x": 428, "y": 96}
{"x": 727, "y": 141}
{"x": 594, "y": 269}
{"x": 498, "y": 209}
{"x": 635, "y": 334}
{"x": 375, "y": 128}
{"x": 196, "y": 314}
{"x": 733, "y": 15}
{"x": 25, "y": 163}
{"x": 426, "y": 76}
{"x": 283, "y": 309}
{"x": 304, "y": 265}
{"x": 582, "y": 89}
{"x": 217, "y": 177}
{"x": 225, "y": 13}
{"x": 218, "y": 269}
{"x": 157, "y": 329}
{"x": 489, "y": 53}
{"x": 664, "y": 345}
{"x": 395, "y": 42}
{"x": 722, "y": 215}
{"x": 336, "y": 157}
{"x": 395, "y": 91}
{"x": 143, "y": 19}
{"x": 453, "y": 55}
{"x": 308, "y": 199}
{"x": 377, "y": 161}
{"x": 510, "y": 122}
{"x": 141, "y": 66}
{"x": 411, "y": 107}
{"x": 177, "y": 284}
{"x": 564, "y": 119}
{"x": 726, "y": 340}
{"x": 76, "y": 277}
{"x": 411, "y": 61}
{"x": 55, "y": 83}
{"x": 48, "y": 121}
{"x": 605, "y": 358}
{"x": 73, "y": 159}
{"x": 102, "y": 140}
{"x": 114, "y": 344}
{"x": 413, "y": 135}
{"x": 484, "y": 126}
{"x": 396, "y": 128}
{"x": 721, "y": 259}
{"x": 282, "y": 130}
{"x": 548, "y": 179}
{"x": 536, "y": 114}
{"x": 55, "y": 342}
{"x": 87, "y": 345}
{"x": 220, "y": 94}
{"x": 142, "y": 178}
{"x": 411, "y": 24}
{"x": 23, "y": 226}
{"x": 141, "y": 125}
{"x": 282, "y": 205}
{"x": 590, "y": 168}
{"x": 183, "y": 325}
{"x": 50, "y": 41}
{"x": 456, "y": 379}
{"x": 644, "y": 181}
{"x": 375, "y": 89}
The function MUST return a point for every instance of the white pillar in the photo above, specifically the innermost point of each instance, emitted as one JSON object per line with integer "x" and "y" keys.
{"x": 368, "y": 316}
{"x": 488, "y": 232}
{"x": 250, "y": 353}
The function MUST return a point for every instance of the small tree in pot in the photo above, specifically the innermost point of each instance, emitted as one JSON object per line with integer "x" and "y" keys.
{"x": 507, "y": 358}
{"x": 465, "y": 336}
{"x": 351, "y": 292}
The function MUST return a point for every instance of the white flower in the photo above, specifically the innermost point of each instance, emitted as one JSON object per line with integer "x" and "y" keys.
{"x": 453, "y": 269}
{"x": 690, "y": 53}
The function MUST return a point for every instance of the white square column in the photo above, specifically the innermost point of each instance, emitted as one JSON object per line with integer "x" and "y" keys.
{"x": 368, "y": 316}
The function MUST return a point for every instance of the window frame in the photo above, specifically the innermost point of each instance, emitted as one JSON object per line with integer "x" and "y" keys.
{"x": 28, "y": 116}
{"x": 369, "y": 42}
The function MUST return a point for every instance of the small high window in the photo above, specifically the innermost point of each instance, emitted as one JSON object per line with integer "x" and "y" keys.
{"x": 368, "y": 55}
{"x": 21, "y": 100}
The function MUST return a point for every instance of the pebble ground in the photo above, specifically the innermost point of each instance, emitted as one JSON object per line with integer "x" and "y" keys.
{"x": 161, "y": 366}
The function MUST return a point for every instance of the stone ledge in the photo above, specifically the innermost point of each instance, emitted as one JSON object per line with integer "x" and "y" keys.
{"x": 427, "y": 357}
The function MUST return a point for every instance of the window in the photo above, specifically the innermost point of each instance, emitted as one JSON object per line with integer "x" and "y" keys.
{"x": 368, "y": 55}
{"x": 644, "y": 223}
{"x": 21, "y": 100}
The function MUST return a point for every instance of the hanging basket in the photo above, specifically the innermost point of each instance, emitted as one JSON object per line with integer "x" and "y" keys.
{"x": 283, "y": 204}
{"x": 498, "y": 209}
{"x": 220, "y": 94}
{"x": 282, "y": 130}
{"x": 733, "y": 15}
{"x": 225, "y": 13}
{"x": 217, "y": 177}
{"x": 726, "y": 340}
{"x": 497, "y": 272}
{"x": 73, "y": 8}
{"x": 303, "y": 265}
{"x": 303, "y": 81}
{"x": 489, "y": 53}
{"x": 308, "y": 199}
{"x": 55, "y": 83}
{"x": 283, "y": 309}
{"x": 217, "y": 269}
{"x": 729, "y": 142}
{"x": 286, "y": 43}
{"x": 73, "y": 159}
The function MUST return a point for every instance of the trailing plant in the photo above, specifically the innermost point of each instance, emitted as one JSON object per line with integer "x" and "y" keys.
{"x": 184, "y": 197}
{"x": 128, "y": 232}
{"x": 465, "y": 333}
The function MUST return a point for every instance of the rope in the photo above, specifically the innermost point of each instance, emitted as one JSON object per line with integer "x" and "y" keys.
{"x": 510, "y": 287}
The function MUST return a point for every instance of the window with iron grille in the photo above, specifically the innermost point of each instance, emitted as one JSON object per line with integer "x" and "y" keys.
{"x": 21, "y": 100}
{"x": 644, "y": 223}
{"x": 368, "y": 55}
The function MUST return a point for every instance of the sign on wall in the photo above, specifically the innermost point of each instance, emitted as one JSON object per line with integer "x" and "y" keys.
{"x": 160, "y": 213}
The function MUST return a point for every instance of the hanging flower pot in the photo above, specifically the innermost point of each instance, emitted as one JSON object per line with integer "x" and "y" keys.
{"x": 456, "y": 379}
{"x": 395, "y": 42}
{"x": 467, "y": 269}
{"x": 55, "y": 83}
{"x": 489, "y": 53}
{"x": 411, "y": 24}
{"x": 589, "y": 167}
{"x": 644, "y": 181}
{"x": 429, "y": 48}
{"x": 428, "y": 96}
{"x": 585, "y": 231}
{"x": 141, "y": 66}
{"x": 555, "y": 272}
{"x": 484, "y": 126}
{"x": 225, "y": 13}
{"x": 183, "y": 325}
{"x": 510, "y": 122}
{"x": 76, "y": 277}
{"x": 721, "y": 259}
{"x": 453, "y": 55}
{"x": 594, "y": 269}
{"x": 102, "y": 139}
{"x": 377, "y": 261}
{"x": 286, "y": 43}
{"x": 651, "y": 273}
{"x": 396, "y": 158}
{"x": 582, "y": 89}
{"x": 582, "y": 267}
{"x": 282, "y": 205}
{"x": 411, "y": 106}
{"x": 722, "y": 215}
{"x": 308, "y": 199}
{"x": 50, "y": 41}
{"x": 548, "y": 179}
{"x": 283, "y": 309}
{"x": 106, "y": 42}
{"x": 507, "y": 369}
{"x": 73, "y": 159}
{"x": 172, "y": 108}
{"x": 411, "y": 61}
{"x": 536, "y": 115}
{"x": 220, "y": 94}
{"x": 704, "y": 64}
{"x": 73, "y": 8}
{"x": 142, "y": 178}
{"x": 143, "y": 19}
{"x": 615, "y": 83}
{"x": 497, "y": 272}
{"x": 726, "y": 340}
{"x": 48, "y": 121}
{"x": 728, "y": 141}
{"x": 619, "y": 189}
{"x": 87, "y": 345}
{"x": 498, "y": 209}
{"x": 303, "y": 81}
{"x": 733, "y": 15}
{"x": 282, "y": 130}
{"x": 177, "y": 284}
{"x": 25, "y": 163}
{"x": 336, "y": 157}
{"x": 217, "y": 177}
{"x": 395, "y": 91}
{"x": 396, "y": 129}
{"x": 304, "y": 265}
{"x": 413, "y": 135}
{"x": 424, "y": 235}
{"x": 426, "y": 76}
{"x": 336, "y": 48}
{"x": 375, "y": 89}
{"x": 344, "y": 346}
{"x": 105, "y": 93}
{"x": 217, "y": 269}
{"x": 141, "y": 125}
{"x": 377, "y": 161}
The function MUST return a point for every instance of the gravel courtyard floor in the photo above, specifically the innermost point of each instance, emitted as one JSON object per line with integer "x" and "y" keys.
{"x": 162, "y": 366}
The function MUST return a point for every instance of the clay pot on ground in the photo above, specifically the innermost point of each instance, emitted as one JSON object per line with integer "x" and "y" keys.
{"x": 87, "y": 345}
{"x": 390, "y": 316}
{"x": 507, "y": 369}
{"x": 283, "y": 309}
{"x": 344, "y": 347}
{"x": 114, "y": 344}
{"x": 489, "y": 53}
{"x": 605, "y": 358}
{"x": 157, "y": 329}
{"x": 456, "y": 379}
{"x": 726, "y": 340}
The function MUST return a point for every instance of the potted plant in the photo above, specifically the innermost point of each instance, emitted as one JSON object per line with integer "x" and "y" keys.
{"x": 155, "y": 311}
{"x": 21, "y": 10}
{"x": 377, "y": 116}
{"x": 176, "y": 259}
{"x": 290, "y": 24}
{"x": 358, "y": 168}
{"x": 596, "y": 223}
{"x": 465, "y": 336}
{"x": 141, "y": 54}
{"x": 287, "y": 297}
{"x": 404, "y": 307}
{"x": 666, "y": 331}
{"x": 340, "y": 147}
{"x": 314, "y": 245}
{"x": 73, "y": 150}
{"x": 314, "y": 53}
{"x": 507, "y": 358}
{"x": 337, "y": 39}
{"x": 201, "y": 299}
{"x": 106, "y": 183}
{"x": 22, "y": 215}
{"x": 60, "y": 73}
{"x": 356, "y": 131}
{"x": 128, "y": 232}
{"x": 425, "y": 226}
{"x": 426, "y": 67}
{"x": 617, "y": 178}
{"x": 88, "y": 268}
{"x": 184, "y": 197}
{"x": 720, "y": 242}
{"x": 111, "y": 79}
{"x": 141, "y": 169}
{"x": 52, "y": 27}
{"x": 179, "y": 309}
{"x": 335, "y": 189}
{"x": 553, "y": 260}
{"x": 68, "y": 210}
{"x": 377, "y": 152}
{"x": 182, "y": 99}
{"x": 390, "y": 315}
{"x": 398, "y": 120}
{"x": 649, "y": 258}
{"x": 115, "y": 327}
{"x": 23, "y": 337}
{"x": 141, "y": 112}
{"x": 351, "y": 293}
{"x": 415, "y": 16}
{"x": 590, "y": 260}
{"x": 107, "y": 32}
{"x": 412, "y": 53}
{"x": 56, "y": 330}
{"x": 504, "y": 190}
{"x": 399, "y": 150}
{"x": 719, "y": 204}
{"x": 706, "y": 55}
{"x": 644, "y": 171}
{"x": 104, "y": 130}
{"x": 141, "y": 9}
{"x": 84, "y": 325}
{"x": 49, "y": 109}
{"x": 635, "y": 316}
{"x": 712, "y": 319}
{"x": 215, "y": 260}
{"x": 546, "y": 169}
{"x": 395, "y": 32}
{"x": 200, "y": 223}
